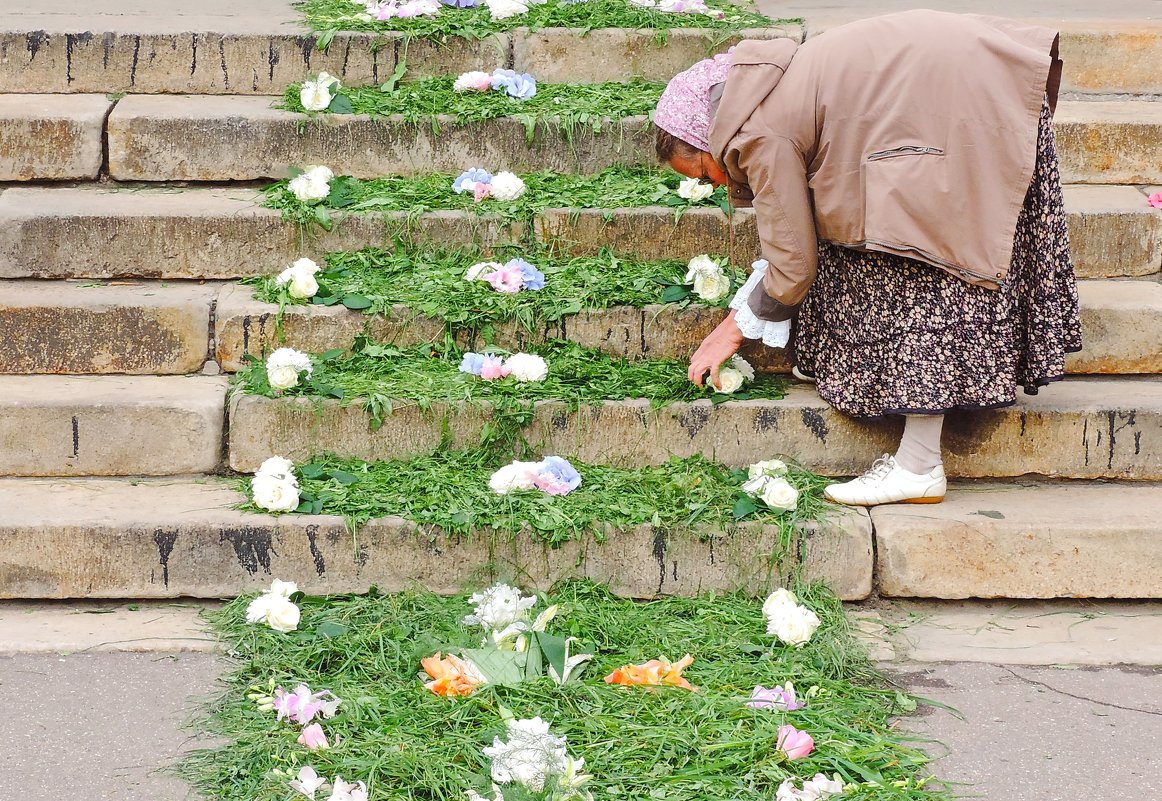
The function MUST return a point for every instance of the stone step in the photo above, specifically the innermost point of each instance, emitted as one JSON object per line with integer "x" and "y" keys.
{"x": 1080, "y": 428}
{"x": 106, "y": 538}
{"x": 140, "y": 327}
{"x": 1076, "y": 540}
{"x": 51, "y": 137}
{"x": 101, "y": 232}
{"x": 262, "y": 57}
{"x": 110, "y": 425}
{"x": 202, "y": 138}
{"x": 1121, "y": 320}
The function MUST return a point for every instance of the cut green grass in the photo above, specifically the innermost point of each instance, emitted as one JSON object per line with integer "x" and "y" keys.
{"x": 614, "y": 188}
{"x": 665, "y": 745}
{"x": 329, "y": 16}
{"x": 430, "y": 282}
{"x": 560, "y": 106}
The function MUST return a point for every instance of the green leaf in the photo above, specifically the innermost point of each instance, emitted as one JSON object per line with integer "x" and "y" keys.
{"x": 341, "y": 104}
{"x": 343, "y": 477}
{"x": 504, "y": 668}
{"x": 331, "y": 355}
{"x": 356, "y": 302}
{"x": 675, "y": 294}
{"x": 329, "y": 629}
{"x": 323, "y": 217}
{"x": 311, "y": 471}
{"x": 744, "y": 506}
{"x": 391, "y": 83}
{"x": 324, "y": 40}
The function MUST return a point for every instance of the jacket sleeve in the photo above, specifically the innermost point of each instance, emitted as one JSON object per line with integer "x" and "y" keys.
{"x": 777, "y": 174}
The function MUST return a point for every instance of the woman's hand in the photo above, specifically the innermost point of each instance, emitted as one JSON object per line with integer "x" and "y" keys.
{"x": 723, "y": 342}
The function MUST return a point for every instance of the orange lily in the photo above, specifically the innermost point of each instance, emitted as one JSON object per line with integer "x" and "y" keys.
{"x": 451, "y": 676}
{"x": 653, "y": 673}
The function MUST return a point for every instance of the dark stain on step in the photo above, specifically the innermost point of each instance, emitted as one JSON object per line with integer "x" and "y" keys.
{"x": 1131, "y": 421}
{"x": 694, "y": 419}
{"x": 316, "y": 554}
{"x": 1085, "y": 439}
{"x": 306, "y": 47}
{"x": 33, "y": 41}
{"x": 133, "y": 63}
{"x": 1024, "y": 422}
{"x": 560, "y": 421}
{"x": 815, "y": 422}
{"x": 766, "y": 420}
{"x": 660, "y": 556}
{"x": 252, "y": 545}
{"x": 76, "y": 437}
{"x": 271, "y": 58}
{"x": 193, "y": 54}
{"x": 71, "y": 41}
{"x": 164, "y": 539}
{"x": 222, "y": 57}
{"x": 107, "y": 43}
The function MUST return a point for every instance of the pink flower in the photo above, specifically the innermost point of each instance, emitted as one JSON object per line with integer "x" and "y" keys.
{"x": 482, "y": 191}
{"x": 493, "y": 368}
{"x": 299, "y": 706}
{"x": 507, "y": 279}
{"x": 1155, "y": 200}
{"x": 314, "y": 739}
{"x": 550, "y": 484}
{"x": 777, "y": 697}
{"x": 794, "y": 743}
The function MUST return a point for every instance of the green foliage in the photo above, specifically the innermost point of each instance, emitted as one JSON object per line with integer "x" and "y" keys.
{"x": 410, "y": 745}
{"x": 329, "y": 16}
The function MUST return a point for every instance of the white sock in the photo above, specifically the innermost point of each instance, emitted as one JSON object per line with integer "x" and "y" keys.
{"x": 919, "y": 450}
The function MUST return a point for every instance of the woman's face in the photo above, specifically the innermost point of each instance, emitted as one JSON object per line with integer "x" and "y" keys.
{"x": 699, "y": 164}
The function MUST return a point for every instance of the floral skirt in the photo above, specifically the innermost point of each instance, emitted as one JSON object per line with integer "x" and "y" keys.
{"x": 883, "y": 334}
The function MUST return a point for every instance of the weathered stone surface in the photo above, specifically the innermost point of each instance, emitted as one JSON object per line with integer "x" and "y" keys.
{"x": 1109, "y": 142}
{"x": 561, "y": 55}
{"x": 1111, "y": 56}
{"x": 1121, "y": 328}
{"x": 94, "y": 232}
{"x": 51, "y": 137}
{"x": 1042, "y": 541}
{"x": 651, "y": 232}
{"x": 1112, "y": 232}
{"x": 140, "y": 328}
{"x": 110, "y": 425}
{"x": 189, "y": 138}
{"x": 105, "y": 538}
{"x": 1076, "y": 429}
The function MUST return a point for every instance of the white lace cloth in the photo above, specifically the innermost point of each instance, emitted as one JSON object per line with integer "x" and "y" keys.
{"x": 774, "y": 335}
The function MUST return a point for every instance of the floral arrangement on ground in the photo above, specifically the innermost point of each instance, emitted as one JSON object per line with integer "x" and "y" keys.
{"x": 475, "y": 19}
{"x": 575, "y": 695}
{"x": 613, "y": 188}
{"x": 469, "y": 291}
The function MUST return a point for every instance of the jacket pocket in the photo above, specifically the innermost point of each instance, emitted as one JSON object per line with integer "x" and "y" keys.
{"x": 907, "y": 150}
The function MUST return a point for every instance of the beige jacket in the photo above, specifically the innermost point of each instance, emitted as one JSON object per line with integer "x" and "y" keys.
{"x": 913, "y": 134}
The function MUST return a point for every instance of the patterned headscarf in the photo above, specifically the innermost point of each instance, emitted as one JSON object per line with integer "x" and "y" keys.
{"x": 684, "y": 108}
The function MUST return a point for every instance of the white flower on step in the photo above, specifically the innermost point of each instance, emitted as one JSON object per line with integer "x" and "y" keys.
{"x": 477, "y": 272}
{"x": 501, "y": 605}
{"x": 473, "y": 81}
{"x": 729, "y": 381}
{"x": 530, "y": 757}
{"x": 346, "y": 791}
{"x": 284, "y": 588}
{"x": 299, "y": 279}
{"x": 507, "y": 187}
{"x": 778, "y": 602}
{"x": 744, "y": 367}
{"x": 317, "y": 95}
{"x": 779, "y": 494}
{"x": 527, "y": 367}
{"x": 793, "y": 625}
{"x": 283, "y": 468}
{"x": 274, "y": 608}
{"x": 284, "y": 366}
{"x": 767, "y": 467}
{"x": 274, "y": 494}
{"x": 503, "y": 9}
{"x": 695, "y": 190}
{"x": 707, "y": 277}
{"x": 515, "y": 476}
{"x": 314, "y": 184}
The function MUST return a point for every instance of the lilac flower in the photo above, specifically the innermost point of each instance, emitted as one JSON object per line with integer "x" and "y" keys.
{"x": 472, "y": 363}
{"x": 461, "y": 3}
{"x": 777, "y": 697}
{"x": 531, "y": 277}
{"x": 472, "y": 177}
{"x": 557, "y": 476}
{"x": 522, "y": 86}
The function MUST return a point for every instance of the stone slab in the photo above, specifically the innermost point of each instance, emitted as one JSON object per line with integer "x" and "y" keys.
{"x": 95, "y": 232}
{"x": 1059, "y": 632}
{"x": 1109, "y": 141}
{"x": 1112, "y": 232}
{"x": 1075, "y": 429}
{"x": 1121, "y": 328}
{"x": 111, "y": 425}
{"x": 192, "y": 138}
{"x": 104, "y": 538}
{"x": 140, "y": 328}
{"x": 37, "y": 627}
{"x": 563, "y": 55}
{"x": 51, "y": 137}
{"x": 1041, "y": 541}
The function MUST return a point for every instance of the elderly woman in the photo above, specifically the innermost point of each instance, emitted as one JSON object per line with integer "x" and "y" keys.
{"x": 905, "y": 184}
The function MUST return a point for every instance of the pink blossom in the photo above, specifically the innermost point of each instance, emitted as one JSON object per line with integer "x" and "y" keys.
{"x": 550, "y": 485}
{"x": 493, "y": 368}
{"x": 794, "y": 743}
{"x": 1155, "y": 200}
{"x": 482, "y": 191}
{"x": 508, "y": 279}
{"x": 300, "y": 706}
{"x": 314, "y": 739}
{"x": 777, "y": 697}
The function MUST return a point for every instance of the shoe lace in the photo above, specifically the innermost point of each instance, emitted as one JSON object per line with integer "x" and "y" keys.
{"x": 879, "y": 469}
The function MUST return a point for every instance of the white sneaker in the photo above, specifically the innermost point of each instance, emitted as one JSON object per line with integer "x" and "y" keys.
{"x": 887, "y": 482}
{"x": 810, "y": 379}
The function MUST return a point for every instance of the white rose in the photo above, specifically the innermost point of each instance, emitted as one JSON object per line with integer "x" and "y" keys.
{"x": 477, "y": 271}
{"x": 507, "y": 187}
{"x": 284, "y": 366}
{"x": 824, "y": 786}
{"x": 527, "y": 367}
{"x": 278, "y": 467}
{"x": 327, "y": 79}
{"x": 709, "y": 280}
{"x": 307, "y": 189}
{"x": 299, "y": 279}
{"x": 315, "y": 95}
{"x": 795, "y": 627}
{"x": 730, "y": 380}
{"x": 769, "y": 467}
{"x": 743, "y": 366}
{"x": 284, "y": 588}
{"x": 282, "y": 614}
{"x": 778, "y": 602}
{"x": 779, "y": 494}
{"x": 503, "y": 9}
{"x": 755, "y": 485}
{"x": 274, "y": 494}
{"x": 516, "y": 476}
{"x": 319, "y": 174}
{"x": 695, "y": 190}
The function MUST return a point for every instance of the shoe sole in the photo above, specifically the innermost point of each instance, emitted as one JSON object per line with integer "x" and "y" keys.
{"x": 887, "y": 503}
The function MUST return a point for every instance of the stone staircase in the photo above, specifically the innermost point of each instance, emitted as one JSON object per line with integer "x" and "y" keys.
{"x": 125, "y": 222}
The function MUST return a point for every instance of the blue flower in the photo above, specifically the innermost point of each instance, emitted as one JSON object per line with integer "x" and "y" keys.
{"x": 561, "y": 470}
{"x": 472, "y": 363}
{"x": 461, "y": 3}
{"x": 475, "y": 175}
{"x": 531, "y": 277}
{"x": 522, "y": 86}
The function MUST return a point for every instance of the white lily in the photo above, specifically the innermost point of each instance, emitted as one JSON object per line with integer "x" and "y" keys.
{"x": 308, "y": 782}
{"x": 571, "y": 664}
